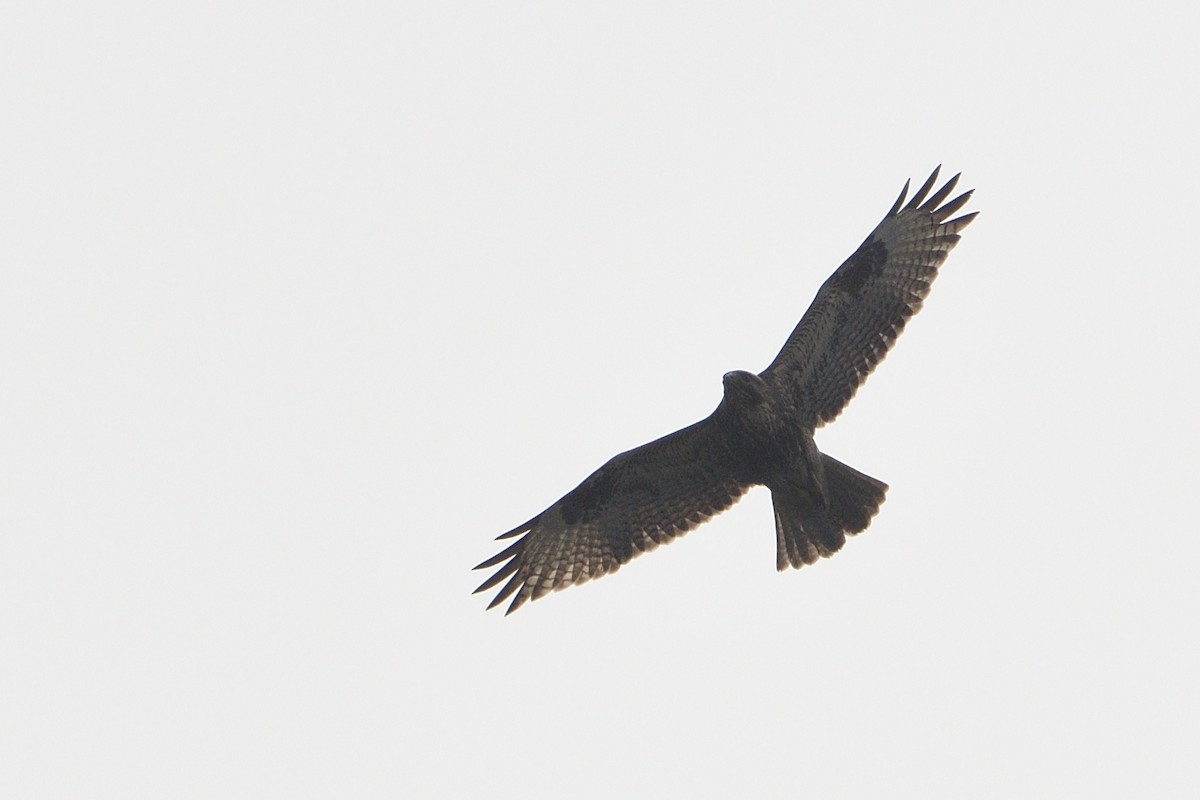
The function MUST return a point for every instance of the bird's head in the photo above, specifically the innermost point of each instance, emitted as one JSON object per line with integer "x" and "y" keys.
{"x": 744, "y": 388}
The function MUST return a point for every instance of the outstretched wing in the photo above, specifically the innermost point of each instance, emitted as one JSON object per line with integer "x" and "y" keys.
{"x": 863, "y": 307}
{"x": 637, "y": 501}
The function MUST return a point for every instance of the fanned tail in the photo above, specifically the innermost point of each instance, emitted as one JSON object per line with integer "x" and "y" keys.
{"x": 807, "y": 530}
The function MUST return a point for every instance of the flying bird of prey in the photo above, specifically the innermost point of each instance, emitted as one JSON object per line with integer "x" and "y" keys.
{"x": 760, "y": 433}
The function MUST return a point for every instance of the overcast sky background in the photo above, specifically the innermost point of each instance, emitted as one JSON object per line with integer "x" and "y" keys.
{"x": 302, "y": 305}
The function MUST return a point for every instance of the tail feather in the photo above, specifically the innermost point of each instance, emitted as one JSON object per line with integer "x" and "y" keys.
{"x": 807, "y": 530}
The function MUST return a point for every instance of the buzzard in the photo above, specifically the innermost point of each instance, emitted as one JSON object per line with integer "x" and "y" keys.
{"x": 760, "y": 433}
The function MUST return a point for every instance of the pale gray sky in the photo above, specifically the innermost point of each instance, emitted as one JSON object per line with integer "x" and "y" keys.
{"x": 301, "y": 306}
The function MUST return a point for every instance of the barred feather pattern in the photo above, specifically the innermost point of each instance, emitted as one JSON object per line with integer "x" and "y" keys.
{"x": 653, "y": 494}
{"x": 639, "y": 500}
{"x": 862, "y": 308}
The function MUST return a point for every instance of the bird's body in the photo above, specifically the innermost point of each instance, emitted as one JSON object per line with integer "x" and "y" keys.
{"x": 761, "y": 433}
{"x": 765, "y": 431}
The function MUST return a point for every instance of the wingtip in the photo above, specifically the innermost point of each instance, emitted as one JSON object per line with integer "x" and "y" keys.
{"x": 515, "y": 584}
{"x": 517, "y": 531}
{"x": 517, "y": 602}
{"x": 503, "y": 555}
{"x": 941, "y": 214}
{"x": 900, "y": 200}
{"x": 964, "y": 220}
{"x": 941, "y": 194}
{"x": 919, "y": 197}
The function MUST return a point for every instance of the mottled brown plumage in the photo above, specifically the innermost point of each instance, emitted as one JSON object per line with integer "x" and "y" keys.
{"x": 760, "y": 434}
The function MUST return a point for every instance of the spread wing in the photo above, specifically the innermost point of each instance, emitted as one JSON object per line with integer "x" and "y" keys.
{"x": 637, "y": 501}
{"x": 863, "y": 307}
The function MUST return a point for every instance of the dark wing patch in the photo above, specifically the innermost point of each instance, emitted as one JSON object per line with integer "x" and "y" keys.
{"x": 637, "y": 501}
{"x": 862, "y": 308}
{"x": 866, "y": 263}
